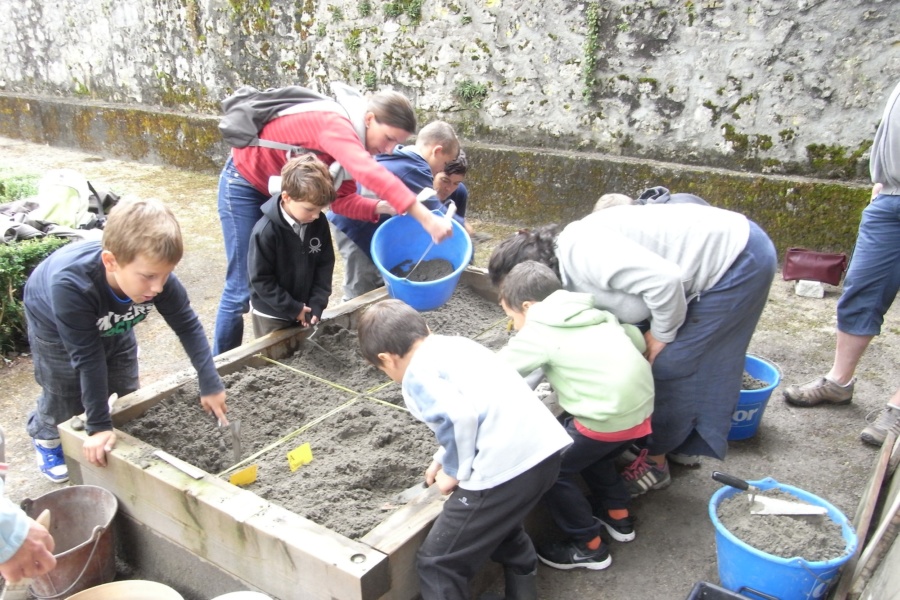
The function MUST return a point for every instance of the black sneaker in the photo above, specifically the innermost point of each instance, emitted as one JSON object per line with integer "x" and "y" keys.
{"x": 568, "y": 555}
{"x": 621, "y": 530}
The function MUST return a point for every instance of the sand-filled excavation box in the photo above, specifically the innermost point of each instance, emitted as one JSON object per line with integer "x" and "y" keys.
{"x": 336, "y": 527}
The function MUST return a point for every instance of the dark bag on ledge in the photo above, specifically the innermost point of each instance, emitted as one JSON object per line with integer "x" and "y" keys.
{"x": 800, "y": 263}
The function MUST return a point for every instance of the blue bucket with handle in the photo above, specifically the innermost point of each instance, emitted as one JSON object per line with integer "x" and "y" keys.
{"x": 758, "y": 574}
{"x": 402, "y": 239}
{"x": 752, "y": 403}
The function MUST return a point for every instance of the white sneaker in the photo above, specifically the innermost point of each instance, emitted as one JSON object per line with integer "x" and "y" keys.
{"x": 51, "y": 461}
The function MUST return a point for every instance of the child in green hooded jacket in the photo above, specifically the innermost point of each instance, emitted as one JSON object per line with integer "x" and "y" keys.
{"x": 603, "y": 382}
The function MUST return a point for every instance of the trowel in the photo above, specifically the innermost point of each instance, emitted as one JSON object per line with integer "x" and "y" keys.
{"x": 315, "y": 330}
{"x": 447, "y": 215}
{"x": 234, "y": 426}
{"x": 410, "y": 493}
{"x": 762, "y": 505}
{"x": 19, "y": 591}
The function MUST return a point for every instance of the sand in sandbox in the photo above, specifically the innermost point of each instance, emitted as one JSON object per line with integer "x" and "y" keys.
{"x": 428, "y": 270}
{"x": 813, "y": 539}
{"x": 363, "y": 455}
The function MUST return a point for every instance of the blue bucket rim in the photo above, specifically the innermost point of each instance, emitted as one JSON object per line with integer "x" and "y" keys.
{"x": 772, "y": 364}
{"x": 766, "y": 484}
{"x": 457, "y": 228}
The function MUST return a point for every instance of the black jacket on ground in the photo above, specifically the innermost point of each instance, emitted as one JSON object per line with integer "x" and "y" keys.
{"x": 286, "y": 273}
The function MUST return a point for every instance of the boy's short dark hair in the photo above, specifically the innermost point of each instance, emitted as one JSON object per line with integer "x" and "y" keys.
{"x": 143, "y": 227}
{"x": 528, "y": 281}
{"x": 390, "y": 326}
{"x": 306, "y": 179}
{"x": 529, "y": 244}
{"x": 457, "y": 166}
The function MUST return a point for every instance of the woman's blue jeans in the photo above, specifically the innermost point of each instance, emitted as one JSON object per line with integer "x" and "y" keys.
{"x": 239, "y": 210}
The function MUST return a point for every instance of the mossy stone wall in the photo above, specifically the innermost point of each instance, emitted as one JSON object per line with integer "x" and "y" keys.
{"x": 524, "y": 186}
{"x": 766, "y": 86}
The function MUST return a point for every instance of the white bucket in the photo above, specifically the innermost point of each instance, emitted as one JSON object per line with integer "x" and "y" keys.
{"x": 134, "y": 589}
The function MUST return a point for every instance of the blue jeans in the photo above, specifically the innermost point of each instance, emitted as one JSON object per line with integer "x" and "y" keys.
{"x": 239, "y": 210}
{"x": 60, "y": 397}
{"x": 873, "y": 278}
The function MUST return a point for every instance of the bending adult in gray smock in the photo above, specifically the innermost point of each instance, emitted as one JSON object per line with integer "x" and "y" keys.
{"x": 700, "y": 275}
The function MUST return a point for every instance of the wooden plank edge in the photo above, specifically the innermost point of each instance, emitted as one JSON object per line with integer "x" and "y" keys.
{"x": 254, "y": 540}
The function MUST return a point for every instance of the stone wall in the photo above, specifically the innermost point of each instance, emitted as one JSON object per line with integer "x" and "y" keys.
{"x": 769, "y": 86}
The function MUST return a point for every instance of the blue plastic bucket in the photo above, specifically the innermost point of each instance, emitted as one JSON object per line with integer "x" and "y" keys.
{"x": 752, "y": 403}
{"x": 402, "y": 238}
{"x": 743, "y": 568}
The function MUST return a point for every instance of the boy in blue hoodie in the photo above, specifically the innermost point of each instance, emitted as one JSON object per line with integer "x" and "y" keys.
{"x": 422, "y": 168}
{"x": 499, "y": 449}
{"x": 291, "y": 259}
{"x": 604, "y": 383}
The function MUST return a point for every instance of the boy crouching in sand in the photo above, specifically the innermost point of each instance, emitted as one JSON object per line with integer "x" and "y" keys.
{"x": 291, "y": 258}
{"x": 499, "y": 449}
{"x": 604, "y": 383}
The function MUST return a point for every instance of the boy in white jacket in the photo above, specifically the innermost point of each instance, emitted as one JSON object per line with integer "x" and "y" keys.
{"x": 499, "y": 449}
{"x": 604, "y": 383}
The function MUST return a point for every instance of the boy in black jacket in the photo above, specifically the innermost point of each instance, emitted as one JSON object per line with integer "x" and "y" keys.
{"x": 291, "y": 259}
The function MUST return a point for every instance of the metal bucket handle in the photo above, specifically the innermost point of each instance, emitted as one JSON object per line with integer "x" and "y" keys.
{"x": 95, "y": 535}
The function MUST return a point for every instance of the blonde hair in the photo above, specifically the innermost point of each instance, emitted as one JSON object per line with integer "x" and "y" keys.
{"x": 143, "y": 226}
{"x": 306, "y": 179}
{"x": 439, "y": 133}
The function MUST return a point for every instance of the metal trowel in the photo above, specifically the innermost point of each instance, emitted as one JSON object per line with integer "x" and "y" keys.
{"x": 763, "y": 505}
{"x": 447, "y": 215}
{"x": 410, "y": 493}
{"x": 234, "y": 427}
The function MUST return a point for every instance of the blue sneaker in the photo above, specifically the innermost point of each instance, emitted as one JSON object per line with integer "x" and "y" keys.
{"x": 51, "y": 461}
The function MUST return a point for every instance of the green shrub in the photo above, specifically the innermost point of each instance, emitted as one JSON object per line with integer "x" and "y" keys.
{"x": 17, "y": 261}
{"x": 14, "y": 187}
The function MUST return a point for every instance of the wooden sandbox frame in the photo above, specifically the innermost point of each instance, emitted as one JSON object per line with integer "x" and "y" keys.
{"x": 259, "y": 544}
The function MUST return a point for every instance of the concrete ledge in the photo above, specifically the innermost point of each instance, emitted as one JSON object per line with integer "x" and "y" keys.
{"x": 528, "y": 186}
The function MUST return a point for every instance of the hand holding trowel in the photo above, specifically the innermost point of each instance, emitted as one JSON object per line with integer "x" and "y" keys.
{"x": 763, "y": 505}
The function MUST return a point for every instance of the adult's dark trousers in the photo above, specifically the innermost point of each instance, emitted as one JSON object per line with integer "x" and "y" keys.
{"x": 477, "y": 525}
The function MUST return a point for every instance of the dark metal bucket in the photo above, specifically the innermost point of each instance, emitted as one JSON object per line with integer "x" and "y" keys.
{"x": 81, "y": 519}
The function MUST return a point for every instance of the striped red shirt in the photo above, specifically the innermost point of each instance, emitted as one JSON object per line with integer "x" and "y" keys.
{"x": 333, "y": 136}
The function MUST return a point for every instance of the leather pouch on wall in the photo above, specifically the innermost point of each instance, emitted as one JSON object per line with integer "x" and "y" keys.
{"x": 800, "y": 263}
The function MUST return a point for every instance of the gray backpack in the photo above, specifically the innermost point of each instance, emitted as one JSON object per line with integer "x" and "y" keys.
{"x": 247, "y": 111}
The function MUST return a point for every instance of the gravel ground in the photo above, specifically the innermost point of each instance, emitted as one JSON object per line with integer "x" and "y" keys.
{"x": 817, "y": 450}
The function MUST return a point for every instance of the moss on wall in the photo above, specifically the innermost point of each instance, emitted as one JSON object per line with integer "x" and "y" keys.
{"x": 516, "y": 186}
{"x": 531, "y": 188}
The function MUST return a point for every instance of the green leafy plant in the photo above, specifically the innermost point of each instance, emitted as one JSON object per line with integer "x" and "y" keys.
{"x": 370, "y": 79}
{"x": 17, "y": 261}
{"x": 14, "y": 187}
{"x": 470, "y": 93}
{"x": 337, "y": 13}
{"x": 411, "y": 8}
{"x": 353, "y": 41}
{"x": 591, "y": 47}
{"x": 365, "y": 8}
